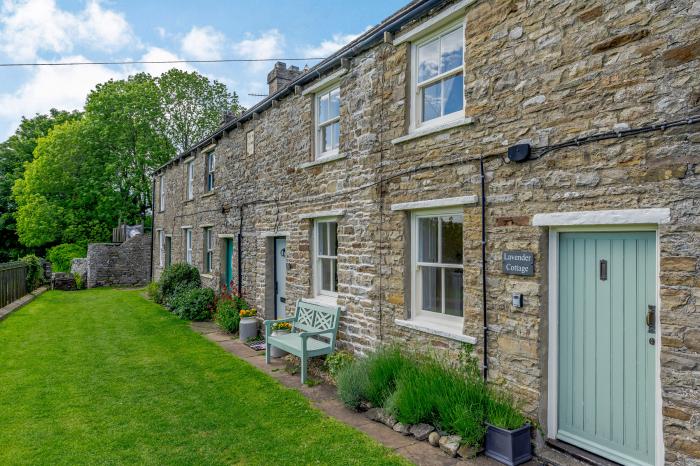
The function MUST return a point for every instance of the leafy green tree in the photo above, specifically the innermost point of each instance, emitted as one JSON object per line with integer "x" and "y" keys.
{"x": 193, "y": 106}
{"x": 17, "y": 150}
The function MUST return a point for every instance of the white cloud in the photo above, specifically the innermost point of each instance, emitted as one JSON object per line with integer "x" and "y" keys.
{"x": 159, "y": 54}
{"x": 203, "y": 43}
{"x": 329, "y": 46}
{"x": 61, "y": 87}
{"x": 30, "y": 26}
{"x": 269, "y": 44}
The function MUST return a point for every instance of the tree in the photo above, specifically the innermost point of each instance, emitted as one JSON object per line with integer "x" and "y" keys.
{"x": 15, "y": 152}
{"x": 193, "y": 106}
{"x": 126, "y": 117}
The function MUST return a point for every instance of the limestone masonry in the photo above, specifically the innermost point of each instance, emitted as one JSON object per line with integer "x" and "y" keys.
{"x": 536, "y": 72}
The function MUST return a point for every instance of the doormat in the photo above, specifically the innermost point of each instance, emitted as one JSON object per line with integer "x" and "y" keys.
{"x": 257, "y": 345}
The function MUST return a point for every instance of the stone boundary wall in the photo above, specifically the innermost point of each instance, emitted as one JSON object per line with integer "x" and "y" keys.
{"x": 125, "y": 264}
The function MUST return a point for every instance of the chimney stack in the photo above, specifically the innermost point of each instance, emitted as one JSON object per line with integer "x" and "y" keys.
{"x": 281, "y": 76}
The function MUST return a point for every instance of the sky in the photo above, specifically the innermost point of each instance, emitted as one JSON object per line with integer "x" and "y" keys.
{"x": 108, "y": 30}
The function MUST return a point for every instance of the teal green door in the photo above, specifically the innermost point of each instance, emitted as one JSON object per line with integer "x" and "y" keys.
{"x": 228, "y": 276}
{"x": 606, "y": 402}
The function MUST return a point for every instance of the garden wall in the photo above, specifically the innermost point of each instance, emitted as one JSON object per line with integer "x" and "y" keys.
{"x": 123, "y": 264}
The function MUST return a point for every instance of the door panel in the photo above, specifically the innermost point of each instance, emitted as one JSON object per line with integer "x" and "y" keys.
{"x": 228, "y": 274}
{"x": 280, "y": 277}
{"x": 606, "y": 362}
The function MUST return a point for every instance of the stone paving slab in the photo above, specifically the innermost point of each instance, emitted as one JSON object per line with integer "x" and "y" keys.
{"x": 14, "y": 305}
{"x": 323, "y": 397}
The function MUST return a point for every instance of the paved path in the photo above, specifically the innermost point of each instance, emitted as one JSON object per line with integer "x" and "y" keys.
{"x": 323, "y": 397}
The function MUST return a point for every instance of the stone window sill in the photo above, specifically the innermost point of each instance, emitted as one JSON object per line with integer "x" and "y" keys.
{"x": 322, "y": 161}
{"x": 206, "y": 275}
{"x": 434, "y": 329}
{"x": 187, "y": 201}
{"x": 324, "y": 301}
{"x": 209, "y": 194}
{"x": 419, "y": 133}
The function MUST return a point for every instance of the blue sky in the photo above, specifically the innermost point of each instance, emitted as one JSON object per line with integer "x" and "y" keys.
{"x": 104, "y": 30}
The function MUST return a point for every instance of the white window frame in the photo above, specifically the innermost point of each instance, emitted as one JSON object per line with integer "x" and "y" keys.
{"x": 416, "y": 101}
{"x": 161, "y": 201}
{"x": 417, "y": 314}
{"x": 161, "y": 248}
{"x": 188, "y": 245}
{"x": 190, "y": 180}
{"x": 317, "y": 258}
{"x": 211, "y": 166}
{"x": 319, "y": 125}
{"x": 208, "y": 249}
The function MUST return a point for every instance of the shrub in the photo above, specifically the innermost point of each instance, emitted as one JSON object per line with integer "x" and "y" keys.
{"x": 79, "y": 285}
{"x": 193, "y": 303}
{"x": 383, "y": 370}
{"x": 175, "y": 278}
{"x": 60, "y": 256}
{"x": 35, "y": 272}
{"x": 353, "y": 383}
{"x": 153, "y": 292}
{"x": 227, "y": 316}
{"x": 501, "y": 412}
{"x": 337, "y": 361}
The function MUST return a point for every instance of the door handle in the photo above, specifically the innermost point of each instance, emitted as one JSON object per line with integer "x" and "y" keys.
{"x": 651, "y": 319}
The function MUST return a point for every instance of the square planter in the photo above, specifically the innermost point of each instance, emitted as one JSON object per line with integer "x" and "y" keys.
{"x": 509, "y": 447}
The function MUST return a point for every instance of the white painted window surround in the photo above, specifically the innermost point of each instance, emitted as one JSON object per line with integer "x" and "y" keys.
{"x": 447, "y": 15}
{"x": 323, "y": 213}
{"x": 604, "y": 217}
{"x": 435, "y": 203}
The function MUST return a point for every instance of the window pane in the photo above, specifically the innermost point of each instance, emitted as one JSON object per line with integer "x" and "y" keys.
{"x": 451, "y": 55}
{"x": 336, "y": 135}
{"x": 452, "y": 239}
{"x": 431, "y": 102}
{"x": 454, "y": 94}
{"x": 334, "y": 104}
{"x": 323, "y": 108}
{"x": 333, "y": 238}
{"x": 326, "y": 138}
{"x": 431, "y": 280}
{"x": 326, "y": 272}
{"x": 428, "y": 56}
{"x": 428, "y": 239}
{"x": 322, "y": 239}
{"x": 454, "y": 303}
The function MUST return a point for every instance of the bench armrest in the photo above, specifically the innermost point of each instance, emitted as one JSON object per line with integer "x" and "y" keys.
{"x": 270, "y": 323}
{"x": 305, "y": 335}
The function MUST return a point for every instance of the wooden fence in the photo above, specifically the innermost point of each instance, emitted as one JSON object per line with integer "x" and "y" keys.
{"x": 13, "y": 282}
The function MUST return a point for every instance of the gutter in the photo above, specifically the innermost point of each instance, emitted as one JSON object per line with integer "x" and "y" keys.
{"x": 368, "y": 40}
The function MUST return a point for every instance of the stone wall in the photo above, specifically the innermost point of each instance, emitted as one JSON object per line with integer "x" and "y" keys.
{"x": 123, "y": 264}
{"x": 537, "y": 71}
{"x": 80, "y": 266}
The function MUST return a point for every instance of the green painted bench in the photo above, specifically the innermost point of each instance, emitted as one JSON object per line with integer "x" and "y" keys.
{"x": 310, "y": 322}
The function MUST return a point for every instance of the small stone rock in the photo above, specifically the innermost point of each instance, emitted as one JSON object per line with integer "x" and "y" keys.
{"x": 516, "y": 33}
{"x": 466, "y": 451}
{"x": 373, "y": 414}
{"x": 365, "y": 405}
{"x": 421, "y": 431}
{"x": 450, "y": 444}
{"x": 385, "y": 418}
{"x": 401, "y": 428}
{"x": 434, "y": 439}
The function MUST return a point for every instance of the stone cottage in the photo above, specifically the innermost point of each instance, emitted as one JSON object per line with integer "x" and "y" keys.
{"x": 518, "y": 175}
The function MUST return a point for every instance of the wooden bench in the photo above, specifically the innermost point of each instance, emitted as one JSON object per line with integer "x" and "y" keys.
{"x": 314, "y": 329}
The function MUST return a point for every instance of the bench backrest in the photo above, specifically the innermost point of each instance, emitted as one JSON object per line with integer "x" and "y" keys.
{"x": 313, "y": 317}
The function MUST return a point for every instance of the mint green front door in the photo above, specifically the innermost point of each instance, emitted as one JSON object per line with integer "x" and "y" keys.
{"x": 606, "y": 402}
{"x": 228, "y": 273}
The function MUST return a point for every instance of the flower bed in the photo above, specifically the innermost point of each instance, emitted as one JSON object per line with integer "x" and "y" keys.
{"x": 428, "y": 398}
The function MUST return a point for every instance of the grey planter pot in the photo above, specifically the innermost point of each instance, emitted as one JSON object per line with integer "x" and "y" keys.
{"x": 509, "y": 447}
{"x": 276, "y": 352}
{"x": 248, "y": 328}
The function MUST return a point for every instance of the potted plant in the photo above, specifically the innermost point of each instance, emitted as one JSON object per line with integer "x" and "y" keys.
{"x": 507, "y": 433}
{"x": 279, "y": 328}
{"x": 248, "y": 327}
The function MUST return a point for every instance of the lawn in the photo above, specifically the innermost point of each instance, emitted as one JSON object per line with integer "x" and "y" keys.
{"x": 107, "y": 377}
